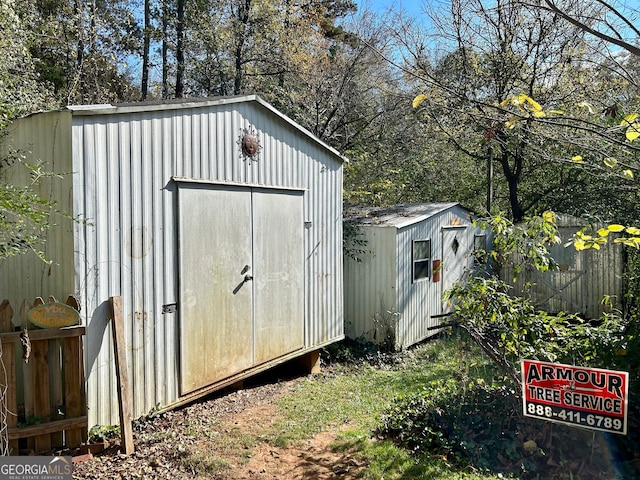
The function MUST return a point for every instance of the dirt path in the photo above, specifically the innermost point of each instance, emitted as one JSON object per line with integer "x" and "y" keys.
{"x": 314, "y": 459}
{"x": 205, "y": 440}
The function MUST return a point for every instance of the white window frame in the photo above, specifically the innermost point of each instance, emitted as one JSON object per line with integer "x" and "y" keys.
{"x": 423, "y": 260}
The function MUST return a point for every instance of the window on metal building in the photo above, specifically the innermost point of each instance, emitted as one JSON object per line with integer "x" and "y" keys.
{"x": 421, "y": 255}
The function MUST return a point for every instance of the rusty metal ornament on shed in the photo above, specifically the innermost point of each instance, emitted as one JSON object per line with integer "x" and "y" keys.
{"x": 249, "y": 145}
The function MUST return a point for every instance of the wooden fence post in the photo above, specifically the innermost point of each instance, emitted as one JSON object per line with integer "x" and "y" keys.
{"x": 74, "y": 393}
{"x": 8, "y": 374}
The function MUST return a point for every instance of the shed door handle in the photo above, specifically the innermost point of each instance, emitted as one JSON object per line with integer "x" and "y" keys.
{"x": 248, "y": 278}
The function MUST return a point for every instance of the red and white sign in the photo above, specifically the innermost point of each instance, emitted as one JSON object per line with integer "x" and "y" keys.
{"x": 587, "y": 397}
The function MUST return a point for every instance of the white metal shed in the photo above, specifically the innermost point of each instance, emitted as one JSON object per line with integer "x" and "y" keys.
{"x": 409, "y": 255}
{"x": 219, "y": 223}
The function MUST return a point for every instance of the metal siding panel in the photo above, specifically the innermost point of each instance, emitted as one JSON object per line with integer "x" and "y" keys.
{"x": 278, "y": 281}
{"x": 98, "y": 345}
{"x": 135, "y": 250}
{"x": 234, "y": 163}
{"x": 199, "y": 140}
{"x": 185, "y": 141}
{"x": 336, "y": 266}
{"x": 406, "y": 288}
{"x": 165, "y": 252}
{"x": 604, "y": 278}
{"x": 109, "y": 281}
{"x": 127, "y": 198}
{"x": 403, "y": 279}
{"x": 313, "y": 312}
{"x": 126, "y": 247}
{"x": 602, "y": 275}
{"x": 222, "y": 158}
{"x": 42, "y": 138}
{"x": 325, "y": 314}
{"x": 146, "y": 312}
{"x": 370, "y": 285}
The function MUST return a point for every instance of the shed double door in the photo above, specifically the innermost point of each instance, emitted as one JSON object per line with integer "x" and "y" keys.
{"x": 241, "y": 279}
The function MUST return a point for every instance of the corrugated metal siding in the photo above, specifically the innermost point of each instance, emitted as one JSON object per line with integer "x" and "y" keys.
{"x": 582, "y": 280}
{"x": 605, "y": 274}
{"x": 370, "y": 286}
{"x": 323, "y": 244}
{"x": 124, "y": 186}
{"x": 44, "y": 138}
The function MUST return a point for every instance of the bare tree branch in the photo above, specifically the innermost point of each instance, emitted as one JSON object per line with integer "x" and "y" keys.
{"x": 603, "y": 36}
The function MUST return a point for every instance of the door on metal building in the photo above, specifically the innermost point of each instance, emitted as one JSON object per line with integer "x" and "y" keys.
{"x": 241, "y": 279}
{"x": 455, "y": 257}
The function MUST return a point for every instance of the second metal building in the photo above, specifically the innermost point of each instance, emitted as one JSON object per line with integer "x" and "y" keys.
{"x": 399, "y": 262}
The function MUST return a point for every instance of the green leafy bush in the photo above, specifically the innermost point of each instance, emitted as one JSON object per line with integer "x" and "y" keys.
{"x": 474, "y": 426}
{"x": 509, "y": 328}
{"x": 477, "y": 425}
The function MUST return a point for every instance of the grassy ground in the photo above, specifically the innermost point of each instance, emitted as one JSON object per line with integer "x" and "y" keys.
{"x": 355, "y": 392}
{"x": 329, "y": 426}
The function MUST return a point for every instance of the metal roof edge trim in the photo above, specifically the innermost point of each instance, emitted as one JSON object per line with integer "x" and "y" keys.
{"x": 420, "y": 218}
{"x": 152, "y": 106}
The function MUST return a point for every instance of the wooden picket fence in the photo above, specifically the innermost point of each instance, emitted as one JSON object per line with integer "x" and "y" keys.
{"x": 45, "y": 400}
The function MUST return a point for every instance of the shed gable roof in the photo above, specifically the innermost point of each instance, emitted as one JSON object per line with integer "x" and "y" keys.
{"x": 397, "y": 216}
{"x": 182, "y": 103}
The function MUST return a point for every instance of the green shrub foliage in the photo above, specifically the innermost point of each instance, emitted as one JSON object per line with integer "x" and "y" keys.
{"x": 480, "y": 423}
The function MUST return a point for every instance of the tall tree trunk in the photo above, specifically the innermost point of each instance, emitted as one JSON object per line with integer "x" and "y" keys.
{"x": 489, "y": 179}
{"x": 180, "y": 49}
{"x": 287, "y": 25}
{"x": 243, "y": 20}
{"x": 144, "y": 87}
{"x": 165, "y": 50}
{"x": 512, "y": 172}
{"x": 78, "y": 8}
{"x": 93, "y": 40}
{"x": 512, "y": 176}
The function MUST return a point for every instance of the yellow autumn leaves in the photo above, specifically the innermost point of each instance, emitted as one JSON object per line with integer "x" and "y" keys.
{"x": 418, "y": 100}
{"x": 584, "y": 241}
{"x": 609, "y": 162}
{"x": 633, "y": 128}
{"x": 528, "y": 107}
